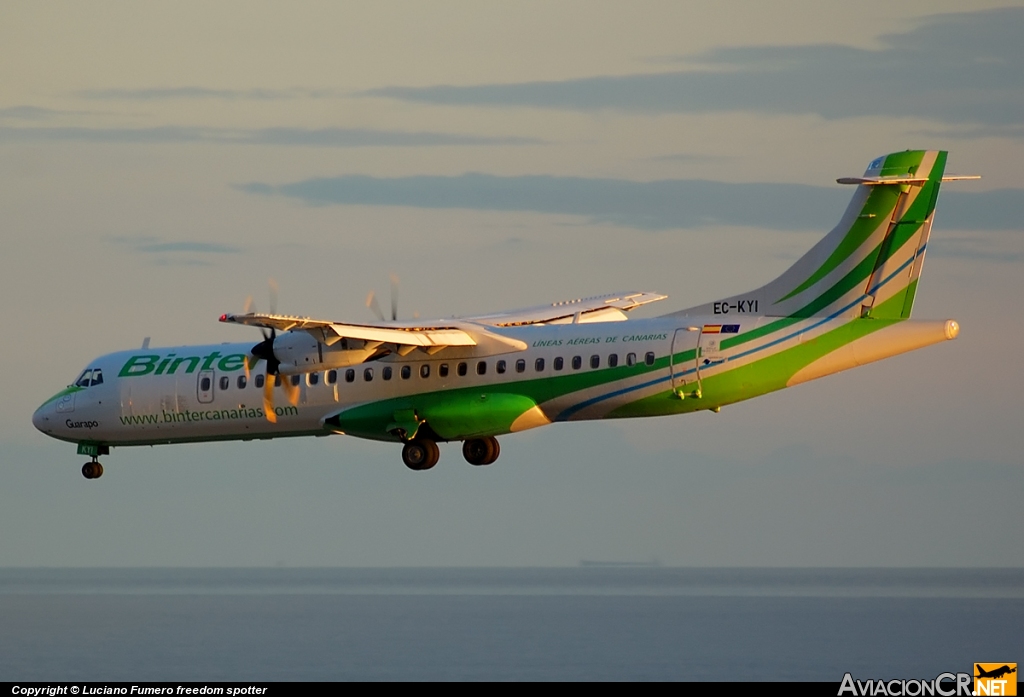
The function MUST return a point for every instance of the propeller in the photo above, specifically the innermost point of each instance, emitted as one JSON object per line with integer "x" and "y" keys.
{"x": 371, "y": 302}
{"x": 264, "y": 351}
{"x": 374, "y": 306}
{"x": 394, "y": 298}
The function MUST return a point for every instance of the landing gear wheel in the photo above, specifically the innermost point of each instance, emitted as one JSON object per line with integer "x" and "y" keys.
{"x": 420, "y": 455}
{"x": 481, "y": 451}
{"x": 92, "y": 470}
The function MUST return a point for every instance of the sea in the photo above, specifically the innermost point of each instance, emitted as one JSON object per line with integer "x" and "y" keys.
{"x": 592, "y": 622}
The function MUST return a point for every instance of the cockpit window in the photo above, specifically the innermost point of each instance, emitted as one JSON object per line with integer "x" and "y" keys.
{"x": 97, "y": 376}
{"x": 85, "y": 379}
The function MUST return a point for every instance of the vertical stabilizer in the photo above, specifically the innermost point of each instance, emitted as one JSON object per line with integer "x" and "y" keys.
{"x": 875, "y": 253}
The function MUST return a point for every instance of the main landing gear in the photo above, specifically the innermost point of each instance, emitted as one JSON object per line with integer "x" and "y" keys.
{"x": 92, "y": 470}
{"x": 420, "y": 454}
{"x": 423, "y": 453}
{"x": 481, "y": 451}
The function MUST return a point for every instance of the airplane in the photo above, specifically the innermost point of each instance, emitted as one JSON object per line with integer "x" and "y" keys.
{"x": 844, "y": 303}
{"x": 994, "y": 673}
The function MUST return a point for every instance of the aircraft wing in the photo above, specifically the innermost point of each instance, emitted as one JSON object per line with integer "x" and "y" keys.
{"x": 600, "y": 308}
{"x": 468, "y": 331}
{"x": 401, "y": 334}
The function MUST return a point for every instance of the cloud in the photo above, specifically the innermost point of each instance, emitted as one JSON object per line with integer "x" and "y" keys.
{"x": 176, "y": 253}
{"x": 975, "y": 131}
{"x": 654, "y": 205}
{"x": 298, "y": 137}
{"x": 155, "y": 247}
{"x": 957, "y": 68}
{"x": 986, "y": 249}
{"x": 690, "y": 157}
{"x": 25, "y": 112}
{"x": 192, "y": 92}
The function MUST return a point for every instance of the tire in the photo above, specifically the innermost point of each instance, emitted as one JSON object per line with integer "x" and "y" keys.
{"x": 433, "y": 454}
{"x": 420, "y": 455}
{"x": 414, "y": 455}
{"x": 495, "y": 451}
{"x": 476, "y": 451}
{"x": 92, "y": 470}
{"x": 481, "y": 451}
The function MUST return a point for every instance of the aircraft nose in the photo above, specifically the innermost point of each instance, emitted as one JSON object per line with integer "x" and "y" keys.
{"x": 41, "y": 418}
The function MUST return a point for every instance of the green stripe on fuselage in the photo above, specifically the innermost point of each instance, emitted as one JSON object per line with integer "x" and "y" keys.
{"x": 371, "y": 420}
{"x": 759, "y": 377}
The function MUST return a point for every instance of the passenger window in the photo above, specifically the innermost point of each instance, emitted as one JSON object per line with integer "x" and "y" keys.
{"x": 240, "y": 382}
{"x": 539, "y": 365}
{"x": 332, "y": 377}
{"x": 577, "y": 362}
{"x": 225, "y": 382}
{"x": 558, "y": 363}
{"x": 368, "y": 374}
{"x": 442, "y": 370}
{"x": 97, "y": 377}
{"x": 649, "y": 358}
{"x": 461, "y": 369}
{"x": 295, "y": 380}
{"x": 481, "y": 368}
{"x": 630, "y": 359}
{"x": 350, "y": 375}
{"x": 613, "y": 360}
{"x": 500, "y": 367}
{"x": 314, "y": 378}
{"x": 260, "y": 379}
{"x": 595, "y": 362}
{"x": 520, "y": 366}
{"x": 406, "y": 372}
{"x": 386, "y": 373}
{"x": 425, "y": 370}
{"x": 204, "y": 385}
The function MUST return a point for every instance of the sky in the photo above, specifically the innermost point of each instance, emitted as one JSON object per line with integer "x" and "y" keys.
{"x": 159, "y": 163}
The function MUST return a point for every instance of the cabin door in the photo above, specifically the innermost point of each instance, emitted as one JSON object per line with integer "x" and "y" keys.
{"x": 686, "y": 371}
{"x": 204, "y": 386}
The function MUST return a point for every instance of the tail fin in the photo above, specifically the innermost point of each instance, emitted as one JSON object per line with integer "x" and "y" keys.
{"x": 869, "y": 265}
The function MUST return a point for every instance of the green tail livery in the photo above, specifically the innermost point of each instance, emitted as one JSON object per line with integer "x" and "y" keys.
{"x": 846, "y": 302}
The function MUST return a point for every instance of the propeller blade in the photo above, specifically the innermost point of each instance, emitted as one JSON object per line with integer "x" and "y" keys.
{"x": 248, "y": 306}
{"x": 290, "y": 391}
{"x": 394, "y": 297}
{"x": 272, "y": 289}
{"x": 268, "y": 399}
{"x": 371, "y": 302}
{"x": 251, "y": 362}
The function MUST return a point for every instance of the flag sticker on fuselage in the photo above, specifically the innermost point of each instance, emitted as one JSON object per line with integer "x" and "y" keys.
{"x": 721, "y": 329}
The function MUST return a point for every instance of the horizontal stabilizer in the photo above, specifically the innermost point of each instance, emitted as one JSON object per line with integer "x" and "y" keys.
{"x": 875, "y": 181}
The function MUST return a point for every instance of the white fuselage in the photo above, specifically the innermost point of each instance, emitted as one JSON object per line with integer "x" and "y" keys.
{"x": 200, "y": 393}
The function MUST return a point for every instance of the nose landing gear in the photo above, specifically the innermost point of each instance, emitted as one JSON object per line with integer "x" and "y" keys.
{"x": 92, "y": 470}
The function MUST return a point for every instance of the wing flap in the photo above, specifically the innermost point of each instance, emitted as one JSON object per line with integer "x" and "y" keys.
{"x": 323, "y": 330}
{"x": 599, "y": 308}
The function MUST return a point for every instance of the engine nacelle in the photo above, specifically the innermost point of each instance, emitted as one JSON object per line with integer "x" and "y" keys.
{"x": 299, "y": 352}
